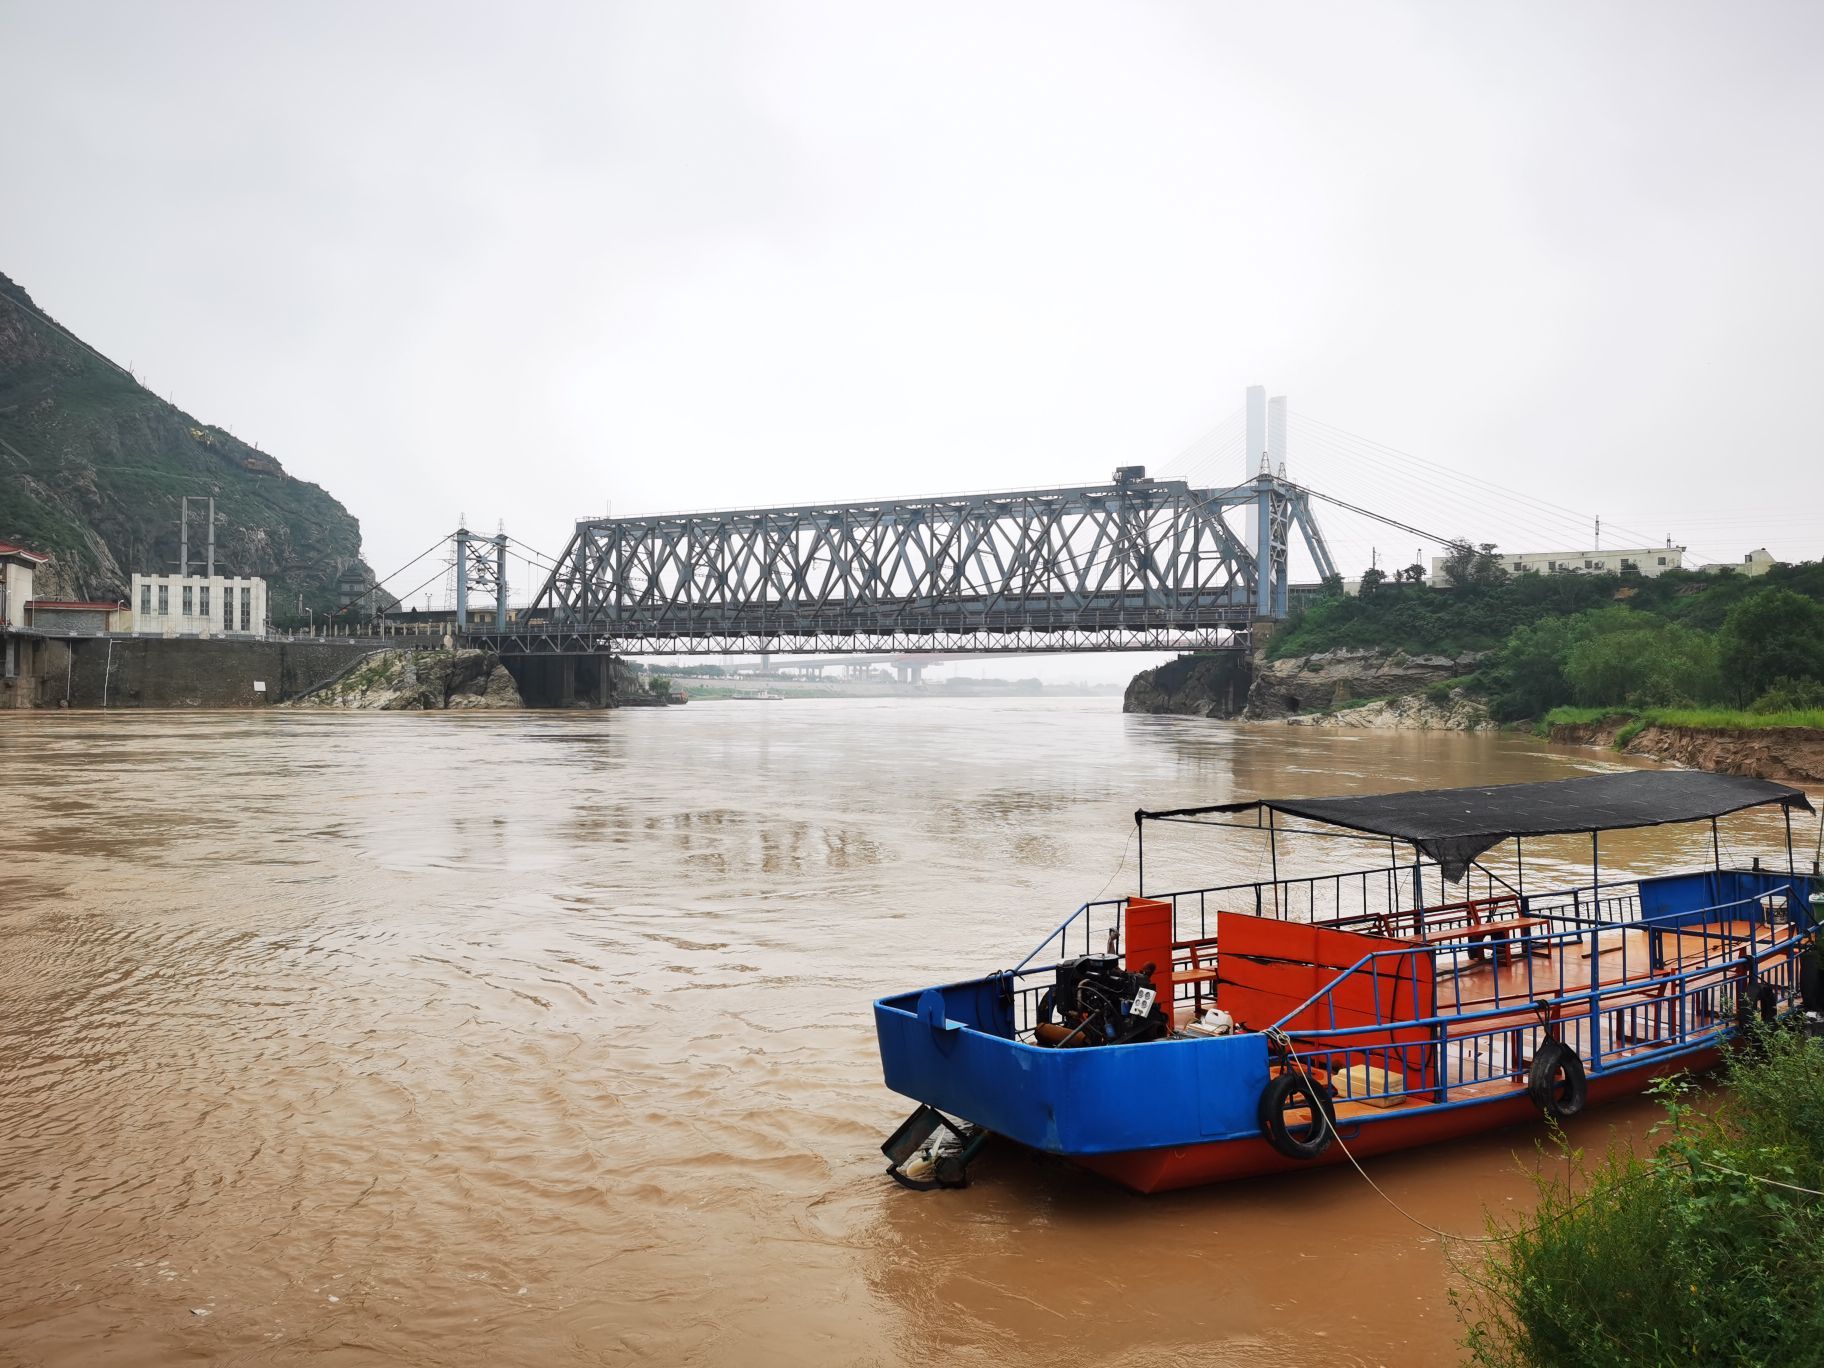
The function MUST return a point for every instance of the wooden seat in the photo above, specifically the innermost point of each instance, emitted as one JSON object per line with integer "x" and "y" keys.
{"x": 1503, "y": 933}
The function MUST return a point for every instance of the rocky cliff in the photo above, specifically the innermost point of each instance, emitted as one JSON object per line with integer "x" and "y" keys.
{"x": 1230, "y": 685}
{"x": 1457, "y": 711}
{"x": 420, "y": 681}
{"x": 92, "y": 466}
{"x": 1330, "y": 679}
{"x": 1214, "y": 685}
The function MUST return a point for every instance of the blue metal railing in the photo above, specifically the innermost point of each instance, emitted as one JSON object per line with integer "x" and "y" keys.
{"x": 1628, "y": 1020}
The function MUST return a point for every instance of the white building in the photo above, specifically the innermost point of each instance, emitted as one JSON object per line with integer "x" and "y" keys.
{"x": 198, "y": 605}
{"x": 1647, "y": 561}
{"x": 1756, "y": 562}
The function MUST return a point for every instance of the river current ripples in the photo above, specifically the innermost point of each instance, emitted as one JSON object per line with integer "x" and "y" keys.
{"x": 546, "y": 1039}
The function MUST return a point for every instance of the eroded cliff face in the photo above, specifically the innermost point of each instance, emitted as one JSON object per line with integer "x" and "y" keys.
{"x": 1213, "y": 685}
{"x": 420, "y": 681}
{"x": 1315, "y": 683}
{"x": 1316, "y": 686}
{"x": 1787, "y": 755}
{"x": 1409, "y": 712}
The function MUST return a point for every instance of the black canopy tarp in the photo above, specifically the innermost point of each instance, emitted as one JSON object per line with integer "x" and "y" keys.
{"x": 1454, "y": 826}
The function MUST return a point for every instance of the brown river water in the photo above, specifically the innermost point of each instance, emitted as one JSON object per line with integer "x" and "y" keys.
{"x": 546, "y": 1039}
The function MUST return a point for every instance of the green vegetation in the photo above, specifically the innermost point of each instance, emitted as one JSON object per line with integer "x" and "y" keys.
{"x": 1601, "y": 644}
{"x": 1677, "y": 1257}
{"x": 93, "y": 465}
{"x": 1696, "y": 719}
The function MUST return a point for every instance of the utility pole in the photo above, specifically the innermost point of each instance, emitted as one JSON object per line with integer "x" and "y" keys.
{"x": 183, "y": 537}
{"x": 210, "y": 563}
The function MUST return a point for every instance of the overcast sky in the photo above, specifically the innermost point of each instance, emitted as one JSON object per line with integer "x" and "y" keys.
{"x": 519, "y": 262}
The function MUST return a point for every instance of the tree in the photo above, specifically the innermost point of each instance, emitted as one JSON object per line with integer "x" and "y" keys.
{"x": 1771, "y": 635}
{"x": 1372, "y": 578}
{"x": 1647, "y": 664}
{"x": 1473, "y": 567}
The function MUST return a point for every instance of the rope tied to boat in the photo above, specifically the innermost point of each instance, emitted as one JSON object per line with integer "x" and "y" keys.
{"x": 1281, "y": 1042}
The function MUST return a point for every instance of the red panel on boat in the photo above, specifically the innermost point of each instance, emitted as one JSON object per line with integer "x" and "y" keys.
{"x": 1267, "y": 968}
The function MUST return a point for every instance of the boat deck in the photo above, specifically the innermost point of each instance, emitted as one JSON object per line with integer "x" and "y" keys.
{"x": 1500, "y": 995}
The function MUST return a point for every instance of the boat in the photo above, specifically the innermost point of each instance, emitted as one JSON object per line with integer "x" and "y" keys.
{"x": 1170, "y": 1039}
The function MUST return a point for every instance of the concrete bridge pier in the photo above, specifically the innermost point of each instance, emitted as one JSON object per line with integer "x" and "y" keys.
{"x": 910, "y": 674}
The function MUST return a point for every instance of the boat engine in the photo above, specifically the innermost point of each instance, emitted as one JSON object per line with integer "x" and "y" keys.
{"x": 1097, "y": 1002}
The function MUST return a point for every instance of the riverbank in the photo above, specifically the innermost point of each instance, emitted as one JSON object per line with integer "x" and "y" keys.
{"x": 1786, "y": 747}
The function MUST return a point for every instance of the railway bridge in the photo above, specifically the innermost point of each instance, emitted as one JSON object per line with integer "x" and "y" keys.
{"x": 1129, "y": 564}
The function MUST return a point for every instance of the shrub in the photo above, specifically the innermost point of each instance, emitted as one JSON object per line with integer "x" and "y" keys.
{"x": 1790, "y": 695}
{"x": 1674, "y": 1257}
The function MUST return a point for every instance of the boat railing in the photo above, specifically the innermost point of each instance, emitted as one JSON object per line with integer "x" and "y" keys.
{"x": 1093, "y": 927}
{"x": 1666, "y": 1003}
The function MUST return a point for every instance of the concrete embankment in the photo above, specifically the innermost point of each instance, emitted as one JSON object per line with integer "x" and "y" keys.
{"x": 185, "y": 672}
{"x": 1788, "y": 755}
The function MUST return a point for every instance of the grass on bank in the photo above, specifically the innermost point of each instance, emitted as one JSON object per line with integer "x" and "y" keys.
{"x": 1636, "y": 720}
{"x": 1678, "y": 1256}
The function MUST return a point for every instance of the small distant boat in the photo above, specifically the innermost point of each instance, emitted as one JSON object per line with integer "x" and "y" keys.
{"x": 1195, "y": 1036}
{"x": 763, "y": 696}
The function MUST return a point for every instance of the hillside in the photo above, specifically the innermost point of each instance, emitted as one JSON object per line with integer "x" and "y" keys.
{"x": 1743, "y": 648}
{"x": 92, "y": 466}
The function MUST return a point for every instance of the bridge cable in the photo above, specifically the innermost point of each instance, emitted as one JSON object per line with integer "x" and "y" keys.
{"x": 1378, "y": 517}
{"x": 375, "y": 588}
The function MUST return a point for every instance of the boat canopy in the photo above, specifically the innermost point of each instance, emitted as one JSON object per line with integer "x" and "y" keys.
{"x": 1455, "y": 826}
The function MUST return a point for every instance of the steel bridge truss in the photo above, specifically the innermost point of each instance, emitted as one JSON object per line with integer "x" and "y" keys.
{"x": 1135, "y": 564}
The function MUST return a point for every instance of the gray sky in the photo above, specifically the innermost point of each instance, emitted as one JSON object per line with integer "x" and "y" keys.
{"x": 519, "y": 261}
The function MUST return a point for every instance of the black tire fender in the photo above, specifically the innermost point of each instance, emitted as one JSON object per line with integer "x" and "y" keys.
{"x": 1310, "y": 1140}
{"x": 1556, "y": 1082}
{"x": 1048, "y": 1009}
{"x": 1767, "y": 1002}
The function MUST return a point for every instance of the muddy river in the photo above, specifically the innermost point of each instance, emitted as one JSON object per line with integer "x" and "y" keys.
{"x": 545, "y": 1039}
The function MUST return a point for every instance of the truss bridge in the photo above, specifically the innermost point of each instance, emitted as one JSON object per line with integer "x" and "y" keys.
{"x": 1131, "y": 564}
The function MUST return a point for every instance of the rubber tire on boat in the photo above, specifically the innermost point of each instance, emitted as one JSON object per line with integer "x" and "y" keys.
{"x": 1555, "y": 1096}
{"x": 1273, "y": 1100}
{"x": 1767, "y": 1002}
{"x": 1048, "y": 1005}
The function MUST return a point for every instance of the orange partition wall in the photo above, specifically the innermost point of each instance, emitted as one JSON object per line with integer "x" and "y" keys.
{"x": 1149, "y": 941}
{"x": 1266, "y": 969}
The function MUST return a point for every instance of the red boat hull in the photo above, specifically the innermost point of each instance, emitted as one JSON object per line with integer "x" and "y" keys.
{"x": 1169, "y": 1167}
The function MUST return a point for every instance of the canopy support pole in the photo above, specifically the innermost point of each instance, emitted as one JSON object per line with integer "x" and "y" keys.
{"x": 1595, "y": 877}
{"x": 1520, "y": 863}
{"x": 1140, "y": 829}
{"x": 1716, "y": 848}
{"x": 1273, "y": 850}
{"x": 1786, "y": 812}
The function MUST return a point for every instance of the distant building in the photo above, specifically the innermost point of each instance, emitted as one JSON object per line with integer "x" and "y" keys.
{"x": 198, "y": 605}
{"x": 1648, "y": 561}
{"x": 76, "y": 617}
{"x": 17, "y": 568}
{"x": 21, "y": 647}
{"x": 1756, "y": 562}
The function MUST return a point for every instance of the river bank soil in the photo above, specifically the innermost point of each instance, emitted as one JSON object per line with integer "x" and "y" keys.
{"x": 1790, "y": 755}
